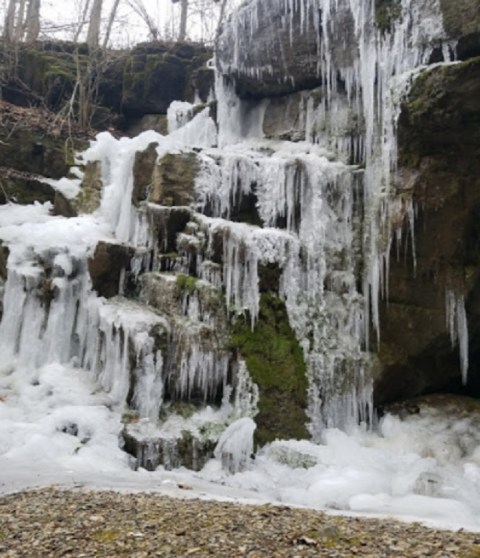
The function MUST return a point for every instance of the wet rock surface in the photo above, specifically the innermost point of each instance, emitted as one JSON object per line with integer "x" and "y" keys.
{"x": 58, "y": 523}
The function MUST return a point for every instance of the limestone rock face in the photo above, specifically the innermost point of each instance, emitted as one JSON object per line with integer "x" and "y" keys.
{"x": 128, "y": 84}
{"x": 157, "y": 74}
{"x": 288, "y": 44}
{"x": 277, "y": 65}
{"x": 173, "y": 180}
{"x": 106, "y": 266}
{"x": 439, "y": 139}
{"x": 462, "y": 23}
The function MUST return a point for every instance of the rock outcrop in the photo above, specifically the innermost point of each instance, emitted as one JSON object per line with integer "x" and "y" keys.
{"x": 439, "y": 167}
{"x": 125, "y": 86}
{"x": 288, "y": 41}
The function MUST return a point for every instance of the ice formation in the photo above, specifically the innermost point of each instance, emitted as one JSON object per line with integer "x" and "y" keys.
{"x": 458, "y": 328}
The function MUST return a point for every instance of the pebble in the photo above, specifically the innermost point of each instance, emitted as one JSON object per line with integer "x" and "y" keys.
{"x": 54, "y": 523}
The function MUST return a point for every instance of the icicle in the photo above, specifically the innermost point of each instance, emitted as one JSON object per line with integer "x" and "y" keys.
{"x": 458, "y": 328}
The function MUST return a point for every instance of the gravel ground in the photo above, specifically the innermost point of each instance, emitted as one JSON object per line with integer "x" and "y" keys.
{"x": 57, "y": 523}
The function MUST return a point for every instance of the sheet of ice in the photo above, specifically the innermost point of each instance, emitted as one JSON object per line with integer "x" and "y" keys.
{"x": 402, "y": 471}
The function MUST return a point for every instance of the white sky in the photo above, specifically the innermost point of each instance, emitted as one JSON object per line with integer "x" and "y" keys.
{"x": 59, "y": 17}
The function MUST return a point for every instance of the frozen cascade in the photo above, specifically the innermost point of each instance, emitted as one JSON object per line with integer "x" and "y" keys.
{"x": 377, "y": 68}
{"x": 121, "y": 349}
{"x": 51, "y": 315}
{"x": 313, "y": 204}
{"x": 458, "y": 327}
{"x": 332, "y": 320}
{"x": 40, "y": 309}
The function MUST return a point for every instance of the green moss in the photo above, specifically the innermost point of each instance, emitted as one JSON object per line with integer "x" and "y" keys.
{"x": 130, "y": 416}
{"x": 386, "y": 13}
{"x": 275, "y": 362}
{"x": 461, "y": 17}
{"x": 186, "y": 283}
{"x": 106, "y": 536}
{"x": 52, "y": 75}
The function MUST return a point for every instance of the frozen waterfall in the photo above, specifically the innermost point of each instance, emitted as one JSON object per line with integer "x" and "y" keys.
{"x": 152, "y": 365}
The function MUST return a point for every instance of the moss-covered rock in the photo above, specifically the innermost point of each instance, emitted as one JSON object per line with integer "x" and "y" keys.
{"x": 89, "y": 196}
{"x": 173, "y": 180}
{"x": 275, "y": 362}
{"x": 439, "y": 146}
{"x": 143, "y": 166}
{"x": 23, "y": 188}
{"x": 462, "y": 22}
{"x": 37, "y": 150}
{"x": 157, "y": 74}
{"x": 120, "y": 85}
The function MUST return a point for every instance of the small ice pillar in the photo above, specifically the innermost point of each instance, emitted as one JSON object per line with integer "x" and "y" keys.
{"x": 458, "y": 327}
{"x": 235, "y": 445}
{"x": 179, "y": 113}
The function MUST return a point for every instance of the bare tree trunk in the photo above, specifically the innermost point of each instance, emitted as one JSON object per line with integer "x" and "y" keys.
{"x": 33, "y": 21}
{"x": 182, "y": 33}
{"x": 9, "y": 29}
{"x": 20, "y": 22}
{"x": 93, "y": 33}
{"x": 82, "y": 21}
{"x": 111, "y": 19}
{"x": 221, "y": 16}
{"x": 139, "y": 8}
